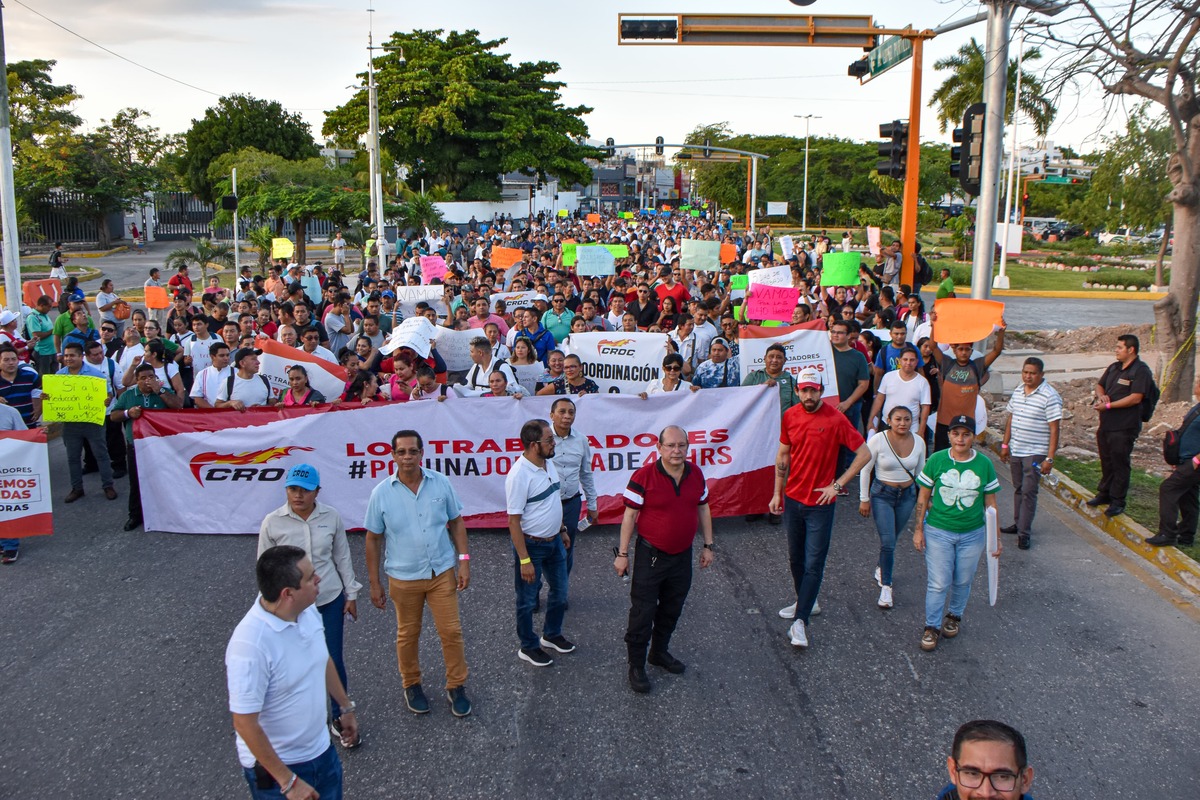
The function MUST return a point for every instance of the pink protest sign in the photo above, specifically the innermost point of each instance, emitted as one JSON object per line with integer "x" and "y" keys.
{"x": 772, "y": 302}
{"x": 432, "y": 267}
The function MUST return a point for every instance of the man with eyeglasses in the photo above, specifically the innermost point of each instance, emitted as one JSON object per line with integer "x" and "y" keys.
{"x": 666, "y": 501}
{"x": 311, "y": 344}
{"x": 988, "y": 761}
{"x": 644, "y": 308}
{"x": 558, "y": 319}
{"x": 540, "y": 541}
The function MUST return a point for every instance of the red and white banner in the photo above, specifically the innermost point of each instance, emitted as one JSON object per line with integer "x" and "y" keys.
{"x": 326, "y": 377}
{"x": 219, "y": 472}
{"x": 25, "y": 500}
{"x": 807, "y": 345}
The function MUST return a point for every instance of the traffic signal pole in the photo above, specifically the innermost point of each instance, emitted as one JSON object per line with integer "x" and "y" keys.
{"x": 912, "y": 172}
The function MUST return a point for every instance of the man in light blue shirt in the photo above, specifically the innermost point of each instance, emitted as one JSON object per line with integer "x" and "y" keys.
{"x": 409, "y": 513}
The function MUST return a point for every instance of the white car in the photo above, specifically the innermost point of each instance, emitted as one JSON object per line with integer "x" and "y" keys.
{"x": 1119, "y": 236}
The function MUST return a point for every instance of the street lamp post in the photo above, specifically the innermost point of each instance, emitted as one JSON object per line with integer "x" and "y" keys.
{"x": 807, "y": 119}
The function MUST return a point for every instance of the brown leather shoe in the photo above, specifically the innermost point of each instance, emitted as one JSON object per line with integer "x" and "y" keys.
{"x": 73, "y": 496}
{"x": 110, "y": 493}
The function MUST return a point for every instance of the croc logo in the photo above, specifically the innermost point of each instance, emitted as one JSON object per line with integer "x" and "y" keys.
{"x": 212, "y": 466}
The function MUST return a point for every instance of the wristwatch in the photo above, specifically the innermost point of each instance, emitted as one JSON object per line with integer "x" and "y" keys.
{"x": 708, "y": 545}
{"x": 837, "y": 486}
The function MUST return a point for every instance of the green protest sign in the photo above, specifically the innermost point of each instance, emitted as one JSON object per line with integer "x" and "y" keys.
{"x": 618, "y": 250}
{"x": 694, "y": 212}
{"x": 568, "y": 249}
{"x": 739, "y": 282}
{"x": 840, "y": 269}
{"x": 74, "y": 398}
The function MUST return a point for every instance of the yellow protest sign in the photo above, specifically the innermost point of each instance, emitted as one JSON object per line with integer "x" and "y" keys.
{"x": 562, "y": 212}
{"x": 74, "y": 398}
{"x": 282, "y": 248}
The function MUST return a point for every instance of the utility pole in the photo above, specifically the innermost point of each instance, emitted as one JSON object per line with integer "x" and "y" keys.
{"x": 376, "y": 164}
{"x": 237, "y": 248}
{"x": 807, "y": 118}
{"x": 1001, "y": 280}
{"x": 8, "y": 196}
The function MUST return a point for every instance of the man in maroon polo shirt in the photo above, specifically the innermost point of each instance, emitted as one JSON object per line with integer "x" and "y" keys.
{"x": 666, "y": 501}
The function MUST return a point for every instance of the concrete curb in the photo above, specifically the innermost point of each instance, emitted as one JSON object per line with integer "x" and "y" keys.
{"x": 1082, "y": 294}
{"x": 1168, "y": 560}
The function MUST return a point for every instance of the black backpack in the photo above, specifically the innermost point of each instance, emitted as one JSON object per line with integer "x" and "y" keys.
{"x": 924, "y": 271}
{"x": 1172, "y": 439}
{"x": 233, "y": 377}
{"x": 1150, "y": 401}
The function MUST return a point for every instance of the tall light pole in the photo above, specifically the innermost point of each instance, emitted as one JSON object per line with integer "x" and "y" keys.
{"x": 807, "y": 119}
{"x": 376, "y": 163}
{"x": 8, "y": 215}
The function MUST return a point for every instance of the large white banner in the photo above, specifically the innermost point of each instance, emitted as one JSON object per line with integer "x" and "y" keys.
{"x": 25, "y": 499}
{"x": 619, "y": 362}
{"x": 775, "y": 209}
{"x": 806, "y": 347}
{"x": 222, "y": 472}
{"x": 327, "y": 378}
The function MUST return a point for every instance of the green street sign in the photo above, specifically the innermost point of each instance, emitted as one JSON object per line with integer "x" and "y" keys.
{"x": 887, "y": 54}
{"x": 1056, "y": 179}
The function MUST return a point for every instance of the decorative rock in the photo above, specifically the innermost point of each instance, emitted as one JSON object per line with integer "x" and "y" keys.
{"x": 1131, "y": 288}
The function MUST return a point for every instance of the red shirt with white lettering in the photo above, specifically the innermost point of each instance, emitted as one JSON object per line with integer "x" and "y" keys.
{"x": 815, "y": 440}
{"x": 669, "y": 514}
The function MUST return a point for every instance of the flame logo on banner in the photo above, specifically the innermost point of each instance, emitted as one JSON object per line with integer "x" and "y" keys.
{"x": 201, "y": 460}
{"x": 612, "y": 343}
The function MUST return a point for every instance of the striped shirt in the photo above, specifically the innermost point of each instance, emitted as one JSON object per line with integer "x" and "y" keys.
{"x": 21, "y": 391}
{"x": 1032, "y": 414}
{"x": 533, "y": 493}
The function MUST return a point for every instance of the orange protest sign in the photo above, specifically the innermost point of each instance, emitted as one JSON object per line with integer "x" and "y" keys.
{"x": 962, "y": 320}
{"x": 156, "y": 297}
{"x": 593, "y": 219}
{"x": 505, "y": 257}
{"x": 728, "y": 253}
{"x": 32, "y": 290}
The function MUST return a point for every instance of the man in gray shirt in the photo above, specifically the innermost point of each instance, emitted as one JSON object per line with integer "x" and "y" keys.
{"x": 573, "y": 460}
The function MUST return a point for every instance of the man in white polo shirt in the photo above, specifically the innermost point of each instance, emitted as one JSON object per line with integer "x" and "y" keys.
{"x": 244, "y": 387}
{"x": 208, "y": 381}
{"x": 1030, "y": 442}
{"x": 539, "y": 539}
{"x": 279, "y": 673}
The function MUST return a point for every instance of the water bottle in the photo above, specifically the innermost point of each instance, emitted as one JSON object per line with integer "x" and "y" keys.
{"x": 1051, "y": 479}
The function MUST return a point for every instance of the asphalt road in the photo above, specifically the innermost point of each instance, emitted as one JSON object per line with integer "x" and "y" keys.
{"x": 112, "y": 649}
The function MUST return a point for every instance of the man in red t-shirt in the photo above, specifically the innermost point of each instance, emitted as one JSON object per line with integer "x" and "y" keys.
{"x": 666, "y": 500}
{"x": 668, "y": 287}
{"x": 809, "y": 440}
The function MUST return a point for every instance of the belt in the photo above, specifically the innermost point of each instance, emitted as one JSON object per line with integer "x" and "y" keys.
{"x": 540, "y": 539}
{"x": 575, "y": 496}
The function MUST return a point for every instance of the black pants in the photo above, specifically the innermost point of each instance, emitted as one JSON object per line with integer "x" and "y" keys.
{"x": 1116, "y": 450}
{"x": 135, "y": 488}
{"x": 941, "y": 437}
{"x": 657, "y": 592}
{"x": 114, "y": 436}
{"x": 1179, "y": 503}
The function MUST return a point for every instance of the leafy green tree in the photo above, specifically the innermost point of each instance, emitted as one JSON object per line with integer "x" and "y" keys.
{"x": 459, "y": 113}
{"x": 260, "y": 239}
{"x": 237, "y": 122}
{"x": 964, "y": 86}
{"x": 38, "y": 109}
{"x": 204, "y": 251}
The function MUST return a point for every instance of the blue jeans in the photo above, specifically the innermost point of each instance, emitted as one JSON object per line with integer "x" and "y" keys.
{"x": 10, "y": 544}
{"x": 808, "y": 530}
{"x": 571, "y": 509}
{"x": 333, "y": 616}
{"x": 891, "y": 508}
{"x": 950, "y": 561}
{"x": 550, "y": 560}
{"x": 845, "y": 454}
{"x": 323, "y": 773}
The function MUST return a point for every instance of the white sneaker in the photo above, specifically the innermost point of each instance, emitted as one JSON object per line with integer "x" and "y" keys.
{"x": 816, "y": 612}
{"x": 798, "y": 634}
{"x": 885, "y": 597}
{"x": 788, "y": 612}
{"x": 879, "y": 577}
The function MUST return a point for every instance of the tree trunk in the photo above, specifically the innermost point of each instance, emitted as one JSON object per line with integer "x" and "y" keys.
{"x": 102, "y": 237}
{"x": 1162, "y": 252}
{"x": 301, "y": 226}
{"x": 1175, "y": 314}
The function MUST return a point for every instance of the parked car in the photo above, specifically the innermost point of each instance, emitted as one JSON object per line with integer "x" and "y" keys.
{"x": 1119, "y": 236}
{"x": 1063, "y": 231}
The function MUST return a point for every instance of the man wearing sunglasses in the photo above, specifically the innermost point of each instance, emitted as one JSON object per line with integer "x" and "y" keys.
{"x": 988, "y": 762}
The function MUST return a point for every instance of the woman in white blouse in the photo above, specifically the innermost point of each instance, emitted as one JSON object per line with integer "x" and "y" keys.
{"x": 896, "y": 459}
{"x": 671, "y": 380}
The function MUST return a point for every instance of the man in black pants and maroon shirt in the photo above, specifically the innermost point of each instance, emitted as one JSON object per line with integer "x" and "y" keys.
{"x": 1119, "y": 394}
{"x": 666, "y": 500}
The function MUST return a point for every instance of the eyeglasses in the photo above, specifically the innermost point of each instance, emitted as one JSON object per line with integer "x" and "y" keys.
{"x": 1002, "y": 781}
{"x": 666, "y": 446}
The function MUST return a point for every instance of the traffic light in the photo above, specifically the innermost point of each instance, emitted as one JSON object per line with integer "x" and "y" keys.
{"x": 658, "y": 146}
{"x": 893, "y": 154}
{"x": 1025, "y": 204}
{"x": 966, "y": 161}
{"x": 609, "y": 147}
{"x": 650, "y": 28}
{"x": 707, "y": 148}
{"x": 859, "y": 69}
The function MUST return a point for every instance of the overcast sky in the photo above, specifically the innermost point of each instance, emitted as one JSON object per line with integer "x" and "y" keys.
{"x": 304, "y": 53}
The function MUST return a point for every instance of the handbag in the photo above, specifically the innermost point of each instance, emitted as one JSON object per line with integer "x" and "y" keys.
{"x": 122, "y": 310}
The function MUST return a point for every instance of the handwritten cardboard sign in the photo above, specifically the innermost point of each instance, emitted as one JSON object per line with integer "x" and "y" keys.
{"x": 432, "y": 268}
{"x": 282, "y": 248}
{"x": 74, "y": 398}
{"x": 700, "y": 254}
{"x": 772, "y": 302}
{"x": 965, "y": 320}
{"x": 594, "y": 260}
{"x": 840, "y": 269}
{"x": 729, "y": 253}
{"x": 505, "y": 257}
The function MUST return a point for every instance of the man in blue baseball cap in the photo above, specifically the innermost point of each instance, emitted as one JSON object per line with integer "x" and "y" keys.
{"x": 318, "y": 530}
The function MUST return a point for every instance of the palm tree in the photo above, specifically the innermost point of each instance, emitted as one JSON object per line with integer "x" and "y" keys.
{"x": 964, "y": 86}
{"x": 204, "y": 251}
{"x": 357, "y": 234}
{"x": 260, "y": 239}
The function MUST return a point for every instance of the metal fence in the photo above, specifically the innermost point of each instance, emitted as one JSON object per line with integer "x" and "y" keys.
{"x": 180, "y": 215}
{"x": 59, "y": 219}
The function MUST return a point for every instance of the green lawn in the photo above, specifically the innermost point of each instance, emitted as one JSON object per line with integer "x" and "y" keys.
{"x": 1034, "y": 279}
{"x": 1142, "y": 504}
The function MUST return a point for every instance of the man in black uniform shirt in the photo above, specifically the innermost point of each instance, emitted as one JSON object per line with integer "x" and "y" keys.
{"x": 1119, "y": 394}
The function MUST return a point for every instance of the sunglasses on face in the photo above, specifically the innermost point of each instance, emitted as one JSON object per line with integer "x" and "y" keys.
{"x": 673, "y": 369}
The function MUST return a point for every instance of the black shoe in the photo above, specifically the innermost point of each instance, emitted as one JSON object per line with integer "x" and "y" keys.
{"x": 1161, "y": 540}
{"x": 667, "y": 661}
{"x": 536, "y": 656}
{"x": 775, "y": 519}
{"x": 9, "y": 556}
{"x": 132, "y": 523}
{"x": 1023, "y": 541}
{"x": 460, "y": 706}
{"x": 558, "y": 643}
{"x": 1185, "y": 543}
{"x": 754, "y": 517}
{"x": 1114, "y": 510}
{"x": 1099, "y": 500}
{"x": 414, "y": 698}
{"x": 638, "y": 680}
{"x": 1009, "y": 529}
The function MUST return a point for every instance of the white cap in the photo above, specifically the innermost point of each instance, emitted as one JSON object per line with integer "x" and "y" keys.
{"x": 810, "y": 377}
